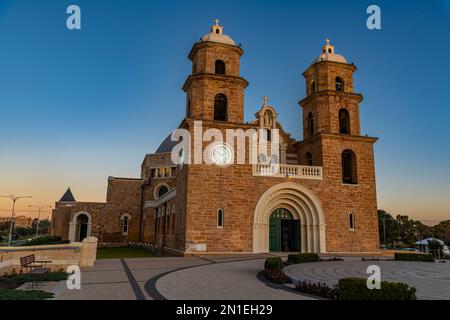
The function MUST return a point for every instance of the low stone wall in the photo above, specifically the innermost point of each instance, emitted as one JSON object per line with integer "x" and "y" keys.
{"x": 82, "y": 254}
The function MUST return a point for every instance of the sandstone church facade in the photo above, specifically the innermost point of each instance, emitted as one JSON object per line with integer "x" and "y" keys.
{"x": 322, "y": 199}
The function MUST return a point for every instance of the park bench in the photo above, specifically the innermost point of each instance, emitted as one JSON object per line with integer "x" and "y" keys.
{"x": 34, "y": 269}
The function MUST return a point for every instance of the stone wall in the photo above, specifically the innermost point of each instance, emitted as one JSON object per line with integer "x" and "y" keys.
{"x": 82, "y": 254}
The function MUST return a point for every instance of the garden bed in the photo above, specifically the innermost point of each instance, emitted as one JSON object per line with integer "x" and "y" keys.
{"x": 8, "y": 284}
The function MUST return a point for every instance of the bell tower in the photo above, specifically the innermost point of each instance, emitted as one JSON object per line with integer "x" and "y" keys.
{"x": 331, "y": 106}
{"x": 214, "y": 89}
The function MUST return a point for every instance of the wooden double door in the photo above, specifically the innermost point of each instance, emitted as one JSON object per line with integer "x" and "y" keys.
{"x": 284, "y": 231}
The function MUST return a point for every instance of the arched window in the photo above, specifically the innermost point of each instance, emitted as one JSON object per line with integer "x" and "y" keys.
{"x": 351, "y": 221}
{"x": 220, "y": 67}
{"x": 344, "y": 121}
{"x": 220, "y": 218}
{"x": 125, "y": 218}
{"x": 310, "y": 124}
{"x": 312, "y": 87}
{"x": 349, "y": 175}
{"x": 309, "y": 160}
{"x": 339, "y": 84}
{"x": 268, "y": 135}
{"x": 220, "y": 107}
{"x": 162, "y": 190}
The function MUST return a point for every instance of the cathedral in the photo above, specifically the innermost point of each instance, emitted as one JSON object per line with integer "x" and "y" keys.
{"x": 321, "y": 198}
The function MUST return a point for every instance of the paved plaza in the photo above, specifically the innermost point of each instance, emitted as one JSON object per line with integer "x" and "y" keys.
{"x": 236, "y": 277}
{"x": 432, "y": 280}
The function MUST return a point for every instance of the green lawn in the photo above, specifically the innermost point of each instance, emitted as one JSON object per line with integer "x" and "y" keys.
{"x": 124, "y": 252}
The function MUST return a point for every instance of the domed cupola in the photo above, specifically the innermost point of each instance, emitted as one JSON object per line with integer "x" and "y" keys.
{"x": 329, "y": 55}
{"x": 216, "y": 35}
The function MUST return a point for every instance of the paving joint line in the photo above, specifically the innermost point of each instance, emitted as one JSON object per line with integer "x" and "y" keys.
{"x": 134, "y": 285}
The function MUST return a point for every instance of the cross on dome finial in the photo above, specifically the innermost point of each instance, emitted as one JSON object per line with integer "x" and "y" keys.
{"x": 328, "y": 48}
{"x": 216, "y": 27}
{"x": 266, "y": 99}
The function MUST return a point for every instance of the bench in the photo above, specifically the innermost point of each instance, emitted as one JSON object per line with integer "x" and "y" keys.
{"x": 34, "y": 269}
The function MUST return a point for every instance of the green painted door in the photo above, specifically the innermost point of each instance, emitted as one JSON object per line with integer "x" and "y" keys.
{"x": 274, "y": 234}
{"x": 275, "y": 228}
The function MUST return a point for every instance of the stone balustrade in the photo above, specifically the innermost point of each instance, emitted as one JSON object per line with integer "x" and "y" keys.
{"x": 288, "y": 170}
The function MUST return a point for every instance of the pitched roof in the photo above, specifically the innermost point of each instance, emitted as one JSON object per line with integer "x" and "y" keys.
{"x": 67, "y": 196}
{"x": 167, "y": 145}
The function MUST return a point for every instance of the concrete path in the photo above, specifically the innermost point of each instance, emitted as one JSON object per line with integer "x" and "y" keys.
{"x": 222, "y": 281}
{"x": 432, "y": 280}
{"x": 122, "y": 279}
{"x": 235, "y": 277}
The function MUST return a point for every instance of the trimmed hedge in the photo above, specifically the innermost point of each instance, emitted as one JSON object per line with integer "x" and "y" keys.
{"x": 273, "y": 269}
{"x": 273, "y": 264}
{"x": 45, "y": 240}
{"x": 400, "y": 256}
{"x": 9, "y": 294}
{"x": 356, "y": 289}
{"x": 303, "y": 257}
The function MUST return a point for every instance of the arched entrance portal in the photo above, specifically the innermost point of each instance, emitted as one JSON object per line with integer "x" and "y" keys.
{"x": 303, "y": 206}
{"x": 284, "y": 231}
{"x": 80, "y": 226}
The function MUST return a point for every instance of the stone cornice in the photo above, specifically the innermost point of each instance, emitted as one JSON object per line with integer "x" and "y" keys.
{"x": 341, "y": 64}
{"x": 204, "y": 44}
{"x": 322, "y": 93}
{"x": 341, "y": 137}
{"x": 200, "y": 76}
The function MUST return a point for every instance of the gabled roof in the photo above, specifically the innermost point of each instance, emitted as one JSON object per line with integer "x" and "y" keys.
{"x": 167, "y": 145}
{"x": 67, "y": 196}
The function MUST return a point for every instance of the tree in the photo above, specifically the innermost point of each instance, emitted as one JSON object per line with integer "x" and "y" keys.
{"x": 401, "y": 230}
{"x": 436, "y": 248}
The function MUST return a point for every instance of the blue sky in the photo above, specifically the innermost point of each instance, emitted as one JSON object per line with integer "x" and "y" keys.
{"x": 78, "y": 106}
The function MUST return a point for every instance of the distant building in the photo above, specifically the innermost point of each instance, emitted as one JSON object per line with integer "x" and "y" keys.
{"x": 19, "y": 221}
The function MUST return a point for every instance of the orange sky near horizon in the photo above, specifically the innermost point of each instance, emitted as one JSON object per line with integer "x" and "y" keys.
{"x": 96, "y": 192}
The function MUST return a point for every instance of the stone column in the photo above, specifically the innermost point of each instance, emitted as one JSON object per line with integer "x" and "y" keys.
{"x": 72, "y": 229}
{"x": 88, "y": 252}
{"x": 310, "y": 237}
{"x": 304, "y": 238}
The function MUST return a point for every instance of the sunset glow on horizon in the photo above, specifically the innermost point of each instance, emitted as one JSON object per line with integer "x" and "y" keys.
{"x": 78, "y": 107}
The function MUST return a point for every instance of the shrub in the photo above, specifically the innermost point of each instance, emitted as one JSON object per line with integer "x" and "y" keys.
{"x": 8, "y": 294}
{"x": 45, "y": 240}
{"x": 303, "y": 257}
{"x": 356, "y": 289}
{"x": 332, "y": 259}
{"x": 16, "y": 280}
{"x": 277, "y": 276}
{"x": 273, "y": 263}
{"x": 404, "y": 256}
{"x": 318, "y": 289}
{"x": 273, "y": 269}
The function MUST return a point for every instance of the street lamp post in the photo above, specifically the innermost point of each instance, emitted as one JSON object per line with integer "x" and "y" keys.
{"x": 39, "y": 216}
{"x": 14, "y": 199}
